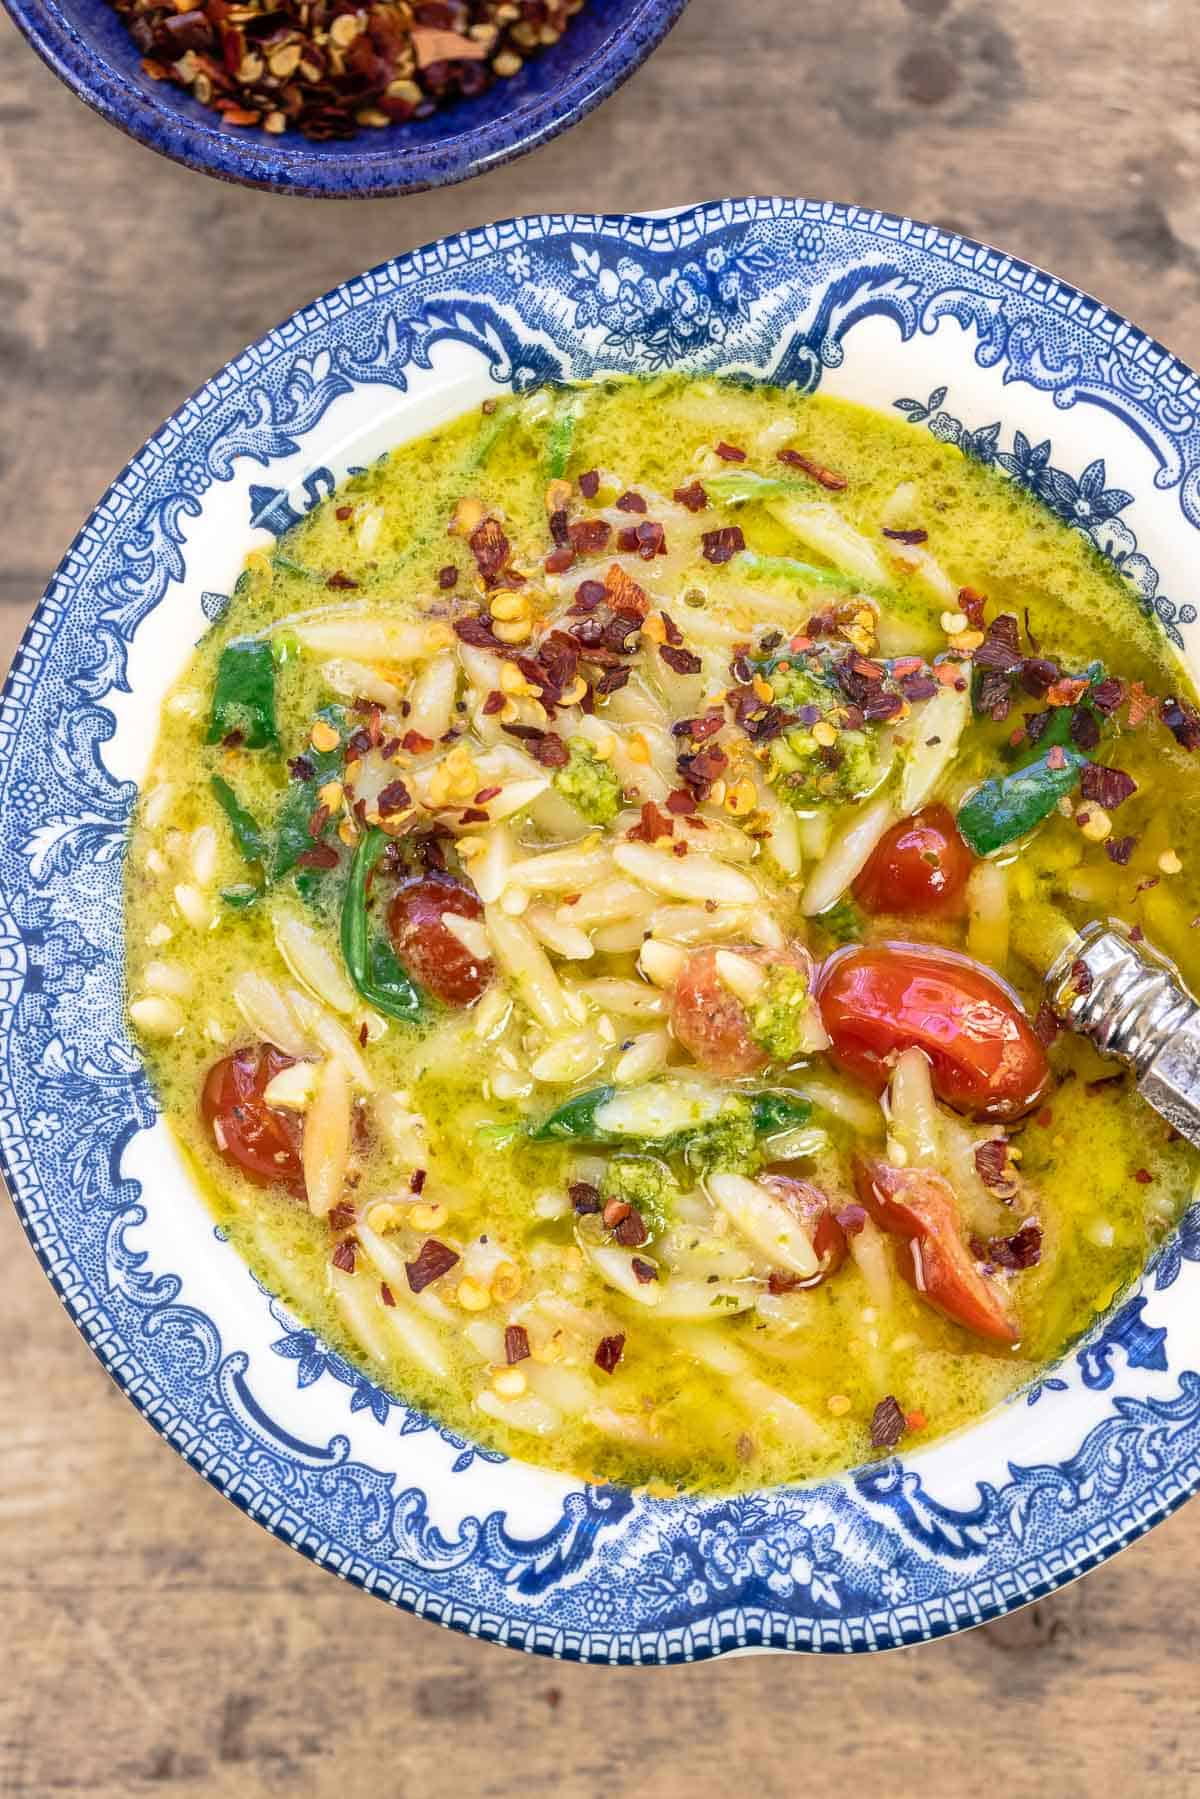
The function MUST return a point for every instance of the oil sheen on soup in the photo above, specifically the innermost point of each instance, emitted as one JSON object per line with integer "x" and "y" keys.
{"x": 587, "y": 914}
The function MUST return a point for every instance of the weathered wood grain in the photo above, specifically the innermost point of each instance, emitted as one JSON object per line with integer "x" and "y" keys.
{"x": 152, "y": 1639}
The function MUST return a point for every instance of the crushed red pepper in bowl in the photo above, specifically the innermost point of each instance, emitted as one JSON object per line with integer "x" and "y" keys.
{"x": 328, "y": 68}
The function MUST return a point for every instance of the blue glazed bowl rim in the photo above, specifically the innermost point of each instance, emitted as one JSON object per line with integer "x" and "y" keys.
{"x": 715, "y": 1631}
{"x": 372, "y": 172}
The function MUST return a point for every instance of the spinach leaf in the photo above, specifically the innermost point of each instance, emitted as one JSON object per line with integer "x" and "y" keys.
{"x": 370, "y": 960}
{"x": 807, "y": 574}
{"x": 248, "y": 834}
{"x": 575, "y": 1120}
{"x": 1008, "y": 806}
{"x": 244, "y": 695}
{"x": 776, "y": 1112}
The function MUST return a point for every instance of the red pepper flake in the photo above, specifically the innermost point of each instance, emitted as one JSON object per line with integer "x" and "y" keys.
{"x": 692, "y": 496}
{"x": 972, "y": 603}
{"x": 550, "y": 750}
{"x": 653, "y": 825}
{"x": 1022, "y": 1250}
{"x": 631, "y": 502}
{"x": 589, "y": 535}
{"x": 852, "y": 1219}
{"x": 915, "y": 1420}
{"x": 609, "y": 1351}
{"x": 494, "y": 703}
{"x": 719, "y": 546}
{"x": 342, "y": 1216}
{"x": 1045, "y": 1118}
{"x": 340, "y": 581}
{"x": 1137, "y": 935}
{"x": 1081, "y": 976}
{"x": 340, "y": 512}
{"x": 589, "y": 483}
{"x": 631, "y": 1231}
{"x": 623, "y": 593}
{"x": 1182, "y": 721}
{"x": 386, "y": 1294}
{"x": 393, "y": 798}
{"x": 730, "y": 452}
{"x": 363, "y": 1034}
{"x": 584, "y": 1198}
{"x": 343, "y": 1255}
{"x": 490, "y": 548}
{"x": 825, "y": 476}
{"x": 433, "y": 1260}
{"x": 647, "y": 540}
{"x": 416, "y": 743}
{"x": 888, "y": 1424}
{"x": 914, "y": 536}
{"x": 485, "y": 794}
{"x": 516, "y": 1344}
{"x": 322, "y": 855}
{"x": 1141, "y": 705}
{"x": 1119, "y": 849}
{"x": 778, "y": 1282}
{"x": 447, "y": 577}
{"x": 682, "y": 661}
{"x": 680, "y": 801}
{"x": 559, "y": 561}
{"x": 644, "y": 1271}
{"x": 473, "y": 815}
{"x": 317, "y": 821}
{"x": 1142, "y": 1176}
{"x": 992, "y": 1164}
{"x": 615, "y": 1213}
{"x": 416, "y": 1180}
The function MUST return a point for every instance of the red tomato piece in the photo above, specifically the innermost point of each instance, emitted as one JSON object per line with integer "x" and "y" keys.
{"x": 431, "y": 953}
{"x": 814, "y": 1210}
{"x": 251, "y": 1135}
{"x": 711, "y": 1022}
{"x": 883, "y": 998}
{"x": 921, "y": 865}
{"x": 919, "y": 1206}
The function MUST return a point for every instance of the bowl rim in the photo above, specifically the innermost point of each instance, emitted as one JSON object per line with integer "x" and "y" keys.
{"x": 374, "y": 170}
{"x": 425, "y": 260}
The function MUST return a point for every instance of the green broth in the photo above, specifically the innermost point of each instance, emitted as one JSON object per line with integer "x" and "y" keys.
{"x": 1098, "y": 1170}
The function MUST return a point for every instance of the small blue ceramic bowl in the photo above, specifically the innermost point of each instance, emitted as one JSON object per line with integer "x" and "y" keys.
{"x": 88, "y": 47}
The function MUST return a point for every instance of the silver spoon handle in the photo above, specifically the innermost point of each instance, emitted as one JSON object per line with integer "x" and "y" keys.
{"x": 1129, "y": 1002}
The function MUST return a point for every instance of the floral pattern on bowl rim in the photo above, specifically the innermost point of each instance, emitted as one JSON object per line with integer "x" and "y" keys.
{"x": 1024, "y": 373}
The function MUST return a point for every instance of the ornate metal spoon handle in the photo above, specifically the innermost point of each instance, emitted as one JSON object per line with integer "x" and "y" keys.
{"x": 1128, "y": 1001}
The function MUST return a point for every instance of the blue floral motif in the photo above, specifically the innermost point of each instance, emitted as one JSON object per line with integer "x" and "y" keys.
{"x": 885, "y": 1555}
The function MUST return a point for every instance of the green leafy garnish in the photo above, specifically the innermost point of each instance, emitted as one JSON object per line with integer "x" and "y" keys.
{"x": 561, "y": 440}
{"x": 244, "y": 695}
{"x": 806, "y": 574}
{"x": 575, "y": 1120}
{"x": 644, "y": 1183}
{"x": 370, "y": 961}
{"x": 776, "y": 1112}
{"x": 248, "y": 834}
{"x": 1008, "y": 806}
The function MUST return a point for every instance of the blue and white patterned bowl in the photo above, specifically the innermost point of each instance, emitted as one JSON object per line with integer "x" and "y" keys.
{"x": 1029, "y": 376}
{"x": 88, "y": 47}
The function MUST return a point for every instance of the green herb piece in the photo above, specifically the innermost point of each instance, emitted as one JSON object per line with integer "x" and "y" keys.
{"x": 743, "y": 487}
{"x": 242, "y": 895}
{"x": 590, "y": 783}
{"x": 726, "y": 1144}
{"x": 248, "y": 834}
{"x": 843, "y": 922}
{"x": 499, "y": 1136}
{"x": 561, "y": 440}
{"x": 575, "y": 1120}
{"x": 1008, "y": 806}
{"x": 806, "y": 574}
{"x": 292, "y": 567}
{"x": 244, "y": 695}
{"x": 777, "y": 1111}
{"x": 781, "y": 1020}
{"x": 370, "y": 961}
{"x": 644, "y": 1183}
{"x": 300, "y": 800}
{"x": 285, "y": 648}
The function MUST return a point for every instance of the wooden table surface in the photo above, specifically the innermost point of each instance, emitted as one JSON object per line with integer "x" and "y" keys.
{"x": 153, "y": 1640}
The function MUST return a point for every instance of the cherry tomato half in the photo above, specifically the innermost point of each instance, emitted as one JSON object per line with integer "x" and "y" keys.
{"x": 251, "y": 1135}
{"x": 883, "y": 998}
{"x": 431, "y": 953}
{"x": 814, "y": 1210}
{"x": 919, "y": 1206}
{"x": 921, "y": 865}
{"x": 711, "y": 1021}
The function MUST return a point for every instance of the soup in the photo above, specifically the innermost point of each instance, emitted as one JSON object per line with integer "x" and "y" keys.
{"x": 587, "y": 916}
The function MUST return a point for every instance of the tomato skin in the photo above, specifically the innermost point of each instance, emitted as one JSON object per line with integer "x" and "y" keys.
{"x": 261, "y": 1141}
{"x": 919, "y": 1206}
{"x": 882, "y": 998}
{"x": 814, "y": 1210}
{"x": 711, "y": 1022}
{"x": 921, "y": 866}
{"x": 431, "y": 954}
